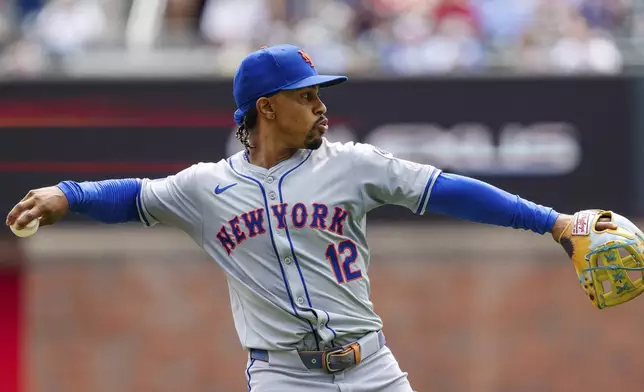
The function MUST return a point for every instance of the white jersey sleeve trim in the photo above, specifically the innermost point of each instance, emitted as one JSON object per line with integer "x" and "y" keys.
{"x": 424, "y": 199}
{"x": 146, "y": 218}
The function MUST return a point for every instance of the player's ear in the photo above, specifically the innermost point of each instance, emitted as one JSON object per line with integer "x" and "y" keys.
{"x": 265, "y": 108}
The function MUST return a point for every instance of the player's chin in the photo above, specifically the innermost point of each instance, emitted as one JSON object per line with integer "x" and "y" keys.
{"x": 313, "y": 139}
{"x": 314, "y": 143}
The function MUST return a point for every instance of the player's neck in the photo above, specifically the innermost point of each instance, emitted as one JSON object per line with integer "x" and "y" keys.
{"x": 268, "y": 153}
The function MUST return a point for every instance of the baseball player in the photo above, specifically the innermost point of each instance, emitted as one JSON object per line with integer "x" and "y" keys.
{"x": 285, "y": 219}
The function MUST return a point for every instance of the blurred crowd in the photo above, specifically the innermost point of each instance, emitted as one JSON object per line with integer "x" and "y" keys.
{"x": 391, "y": 37}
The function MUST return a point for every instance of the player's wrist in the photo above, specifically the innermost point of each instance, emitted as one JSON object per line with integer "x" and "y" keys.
{"x": 71, "y": 191}
{"x": 560, "y": 225}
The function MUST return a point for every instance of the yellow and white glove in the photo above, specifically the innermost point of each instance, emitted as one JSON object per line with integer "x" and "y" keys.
{"x": 609, "y": 263}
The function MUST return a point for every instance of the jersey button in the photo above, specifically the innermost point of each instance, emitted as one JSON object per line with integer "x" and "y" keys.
{"x": 270, "y": 180}
{"x": 287, "y": 260}
{"x": 300, "y": 300}
{"x": 271, "y": 195}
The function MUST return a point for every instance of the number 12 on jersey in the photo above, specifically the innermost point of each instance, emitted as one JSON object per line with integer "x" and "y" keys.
{"x": 341, "y": 258}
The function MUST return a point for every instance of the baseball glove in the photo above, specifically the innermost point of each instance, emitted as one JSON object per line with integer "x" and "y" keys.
{"x": 609, "y": 263}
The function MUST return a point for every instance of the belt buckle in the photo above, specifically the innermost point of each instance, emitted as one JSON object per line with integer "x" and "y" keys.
{"x": 343, "y": 353}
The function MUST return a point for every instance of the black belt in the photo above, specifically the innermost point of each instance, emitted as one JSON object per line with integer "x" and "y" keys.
{"x": 333, "y": 360}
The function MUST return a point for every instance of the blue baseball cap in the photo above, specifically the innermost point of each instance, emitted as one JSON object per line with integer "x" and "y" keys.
{"x": 272, "y": 69}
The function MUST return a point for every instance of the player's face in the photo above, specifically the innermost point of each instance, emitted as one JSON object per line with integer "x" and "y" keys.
{"x": 300, "y": 117}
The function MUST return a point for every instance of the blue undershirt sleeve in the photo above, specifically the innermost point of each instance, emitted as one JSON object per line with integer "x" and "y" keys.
{"x": 470, "y": 199}
{"x": 109, "y": 201}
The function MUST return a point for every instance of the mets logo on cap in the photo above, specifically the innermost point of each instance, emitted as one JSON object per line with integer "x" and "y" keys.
{"x": 302, "y": 53}
{"x": 306, "y": 57}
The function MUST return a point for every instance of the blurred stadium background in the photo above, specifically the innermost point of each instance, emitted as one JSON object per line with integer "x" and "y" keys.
{"x": 392, "y": 37}
{"x": 539, "y": 97}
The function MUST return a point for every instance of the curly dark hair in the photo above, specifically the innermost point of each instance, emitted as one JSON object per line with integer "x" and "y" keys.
{"x": 243, "y": 132}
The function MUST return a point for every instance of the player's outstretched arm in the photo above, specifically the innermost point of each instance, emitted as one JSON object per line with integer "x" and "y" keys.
{"x": 109, "y": 201}
{"x": 385, "y": 179}
{"x": 470, "y": 199}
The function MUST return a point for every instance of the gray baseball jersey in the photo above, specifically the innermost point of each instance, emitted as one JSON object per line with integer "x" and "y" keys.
{"x": 291, "y": 239}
